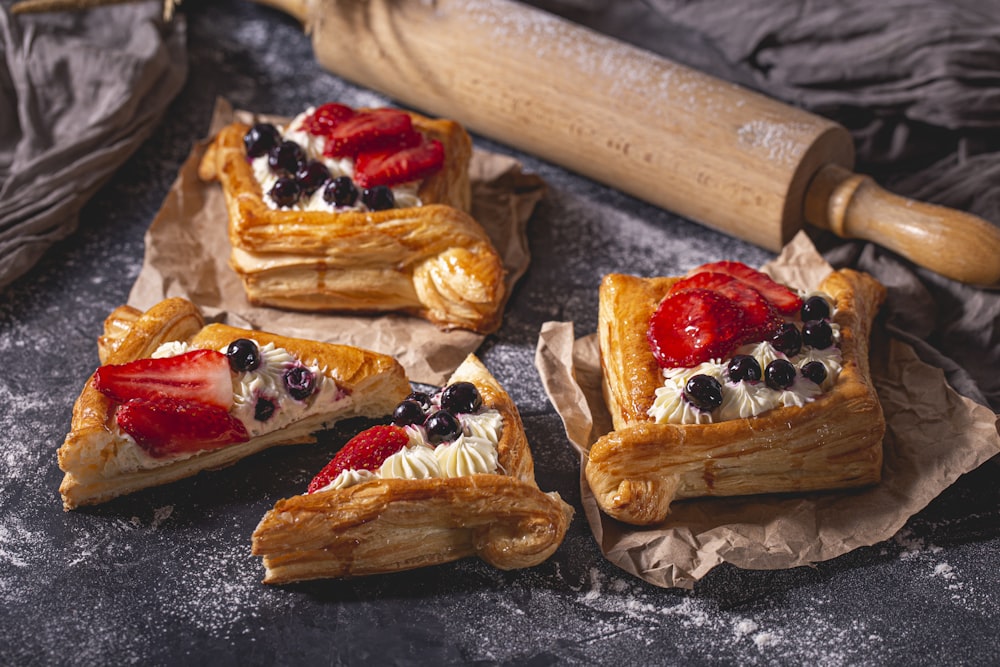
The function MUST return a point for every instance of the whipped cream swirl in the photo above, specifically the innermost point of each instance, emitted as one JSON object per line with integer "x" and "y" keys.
{"x": 745, "y": 399}
{"x": 473, "y": 452}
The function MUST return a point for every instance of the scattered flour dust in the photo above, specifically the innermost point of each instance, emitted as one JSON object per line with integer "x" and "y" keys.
{"x": 923, "y": 554}
{"x": 811, "y": 635}
{"x": 782, "y": 143}
{"x": 913, "y": 547}
{"x": 218, "y": 589}
{"x": 961, "y": 593}
{"x": 944, "y": 571}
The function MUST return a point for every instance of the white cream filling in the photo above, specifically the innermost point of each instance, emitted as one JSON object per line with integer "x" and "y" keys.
{"x": 405, "y": 194}
{"x": 350, "y": 478}
{"x": 473, "y": 452}
{"x": 265, "y": 381}
{"x": 742, "y": 400}
{"x": 411, "y": 462}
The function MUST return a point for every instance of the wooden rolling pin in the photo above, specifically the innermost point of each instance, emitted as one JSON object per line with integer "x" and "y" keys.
{"x": 706, "y": 149}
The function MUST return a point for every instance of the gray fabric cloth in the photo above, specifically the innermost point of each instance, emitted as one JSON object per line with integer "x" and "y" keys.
{"x": 79, "y": 92}
{"x": 917, "y": 82}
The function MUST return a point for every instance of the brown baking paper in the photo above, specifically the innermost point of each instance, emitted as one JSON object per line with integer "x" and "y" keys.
{"x": 187, "y": 254}
{"x": 933, "y": 436}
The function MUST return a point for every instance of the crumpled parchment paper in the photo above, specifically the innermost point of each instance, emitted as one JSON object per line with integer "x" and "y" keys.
{"x": 187, "y": 254}
{"x": 933, "y": 436}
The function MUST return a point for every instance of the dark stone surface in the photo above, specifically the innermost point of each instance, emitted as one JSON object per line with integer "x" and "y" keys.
{"x": 165, "y": 576}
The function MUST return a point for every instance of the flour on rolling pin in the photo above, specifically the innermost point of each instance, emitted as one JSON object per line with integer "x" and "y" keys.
{"x": 704, "y": 148}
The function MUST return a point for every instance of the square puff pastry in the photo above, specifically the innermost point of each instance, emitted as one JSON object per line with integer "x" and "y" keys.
{"x": 638, "y": 469}
{"x": 433, "y": 261}
{"x": 100, "y": 464}
{"x": 389, "y": 525}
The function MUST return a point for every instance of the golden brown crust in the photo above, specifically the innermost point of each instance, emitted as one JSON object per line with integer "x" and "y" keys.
{"x": 432, "y": 261}
{"x": 97, "y": 463}
{"x": 638, "y": 469}
{"x": 388, "y": 525}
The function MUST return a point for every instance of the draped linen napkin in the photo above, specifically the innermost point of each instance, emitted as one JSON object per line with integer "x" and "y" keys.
{"x": 79, "y": 93}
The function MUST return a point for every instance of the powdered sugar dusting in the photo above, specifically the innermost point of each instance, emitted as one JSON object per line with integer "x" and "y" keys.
{"x": 780, "y": 142}
{"x": 166, "y": 576}
{"x": 622, "y": 614}
{"x": 614, "y": 67}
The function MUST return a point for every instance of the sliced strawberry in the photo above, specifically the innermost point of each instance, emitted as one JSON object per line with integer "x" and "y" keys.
{"x": 704, "y": 279}
{"x": 365, "y": 451}
{"x": 326, "y": 117}
{"x": 374, "y": 130}
{"x": 760, "y": 318}
{"x": 165, "y": 426}
{"x": 783, "y": 299}
{"x": 198, "y": 375}
{"x": 393, "y": 167}
{"x": 693, "y": 326}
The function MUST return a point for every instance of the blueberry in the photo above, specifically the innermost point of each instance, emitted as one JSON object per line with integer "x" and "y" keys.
{"x": 817, "y": 334}
{"x": 408, "y": 412}
{"x": 779, "y": 374}
{"x": 341, "y": 191}
{"x": 787, "y": 339}
{"x": 286, "y": 157}
{"x": 378, "y": 198}
{"x": 703, "y": 392}
{"x": 311, "y": 176}
{"x": 461, "y": 397}
{"x": 263, "y": 410}
{"x": 814, "y": 371}
{"x": 285, "y": 191}
{"x": 742, "y": 368}
{"x": 442, "y": 426}
{"x": 300, "y": 382}
{"x": 420, "y": 397}
{"x": 243, "y": 355}
{"x": 260, "y": 139}
{"x": 815, "y": 308}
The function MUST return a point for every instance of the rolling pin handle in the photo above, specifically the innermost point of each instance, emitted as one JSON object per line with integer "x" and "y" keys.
{"x": 953, "y": 243}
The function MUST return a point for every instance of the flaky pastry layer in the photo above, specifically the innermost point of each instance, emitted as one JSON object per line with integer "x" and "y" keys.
{"x": 94, "y": 459}
{"x": 639, "y": 468}
{"x": 388, "y": 525}
{"x": 433, "y": 261}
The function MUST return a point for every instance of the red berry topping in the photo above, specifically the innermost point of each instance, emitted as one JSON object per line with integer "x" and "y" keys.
{"x": 392, "y": 167}
{"x": 375, "y": 130}
{"x": 760, "y": 317}
{"x": 693, "y": 326}
{"x": 326, "y": 117}
{"x": 199, "y": 375}
{"x": 783, "y": 299}
{"x": 365, "y": 451}
{"x": 167, "y": 425}
{"x": 703, "y": 279}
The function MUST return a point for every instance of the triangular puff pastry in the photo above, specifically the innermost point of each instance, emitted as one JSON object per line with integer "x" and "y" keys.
{"x": 430, "y": 259}
{"x": 390, "y": 524}
{"x": 641, "y": 467}
{"x": 102, "y": 462}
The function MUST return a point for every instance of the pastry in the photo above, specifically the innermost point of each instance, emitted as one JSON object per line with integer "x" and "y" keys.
{"x": 358, "y": 210}
{"x": 726, "y": 383}
{"x": 175, "y": 396}
{"x": 452, "y": 476}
